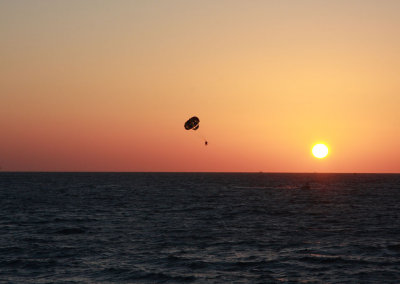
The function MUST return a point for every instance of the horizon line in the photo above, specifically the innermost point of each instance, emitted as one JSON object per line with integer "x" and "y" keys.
{"x": 201, "y": 172}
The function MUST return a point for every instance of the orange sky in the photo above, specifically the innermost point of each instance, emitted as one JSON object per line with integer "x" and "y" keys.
{"x": 108, "y": 85}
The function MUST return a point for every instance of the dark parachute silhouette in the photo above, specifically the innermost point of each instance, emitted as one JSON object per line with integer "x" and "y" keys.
{"x": 193, "y": 123}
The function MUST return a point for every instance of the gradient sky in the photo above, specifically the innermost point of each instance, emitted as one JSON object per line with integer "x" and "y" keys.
{"x": 108, "y": 85}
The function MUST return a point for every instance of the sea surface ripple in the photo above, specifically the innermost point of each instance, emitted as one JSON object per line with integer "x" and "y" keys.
{"x": 199, "y": 228}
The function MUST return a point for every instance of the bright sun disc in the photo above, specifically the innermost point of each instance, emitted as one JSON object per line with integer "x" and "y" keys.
{"x": 320, "y": 151}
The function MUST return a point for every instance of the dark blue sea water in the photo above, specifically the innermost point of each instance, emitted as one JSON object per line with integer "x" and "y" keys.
{"x": 199, "y": 228}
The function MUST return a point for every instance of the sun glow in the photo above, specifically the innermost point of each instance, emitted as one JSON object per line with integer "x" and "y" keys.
{"x": 320, "y": 151}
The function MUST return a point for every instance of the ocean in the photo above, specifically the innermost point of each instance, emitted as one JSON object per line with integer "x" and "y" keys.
{"x": 199, "y": 228}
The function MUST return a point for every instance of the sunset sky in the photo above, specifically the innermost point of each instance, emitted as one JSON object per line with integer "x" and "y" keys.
{"x": 108, "y": 85}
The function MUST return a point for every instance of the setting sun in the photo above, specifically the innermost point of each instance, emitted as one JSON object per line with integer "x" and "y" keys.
{"x": 320, "y": 151}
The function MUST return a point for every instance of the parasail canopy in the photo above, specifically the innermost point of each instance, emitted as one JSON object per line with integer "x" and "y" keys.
{"x": 192, "y": 123}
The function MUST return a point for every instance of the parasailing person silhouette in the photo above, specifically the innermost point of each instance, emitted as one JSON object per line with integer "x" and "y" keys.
{"x": 193, "y": 123}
